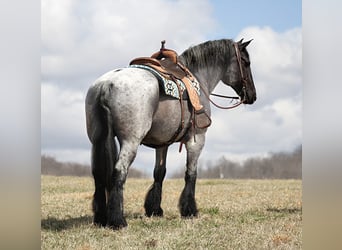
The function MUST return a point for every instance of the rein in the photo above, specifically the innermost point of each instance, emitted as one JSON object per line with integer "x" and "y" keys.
{"x": 244, "y": 83}
{"x": 222, "y": 96}
{"x": 225, "y": 96}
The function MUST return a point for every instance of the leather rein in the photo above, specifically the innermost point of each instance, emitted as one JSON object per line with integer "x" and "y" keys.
{"x": 244, "y": 84}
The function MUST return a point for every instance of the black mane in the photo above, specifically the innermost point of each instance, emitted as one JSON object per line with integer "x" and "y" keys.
{"x": 215, "y": 52}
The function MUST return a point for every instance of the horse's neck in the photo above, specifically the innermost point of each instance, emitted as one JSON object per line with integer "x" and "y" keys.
{"x": 208, "y": 77}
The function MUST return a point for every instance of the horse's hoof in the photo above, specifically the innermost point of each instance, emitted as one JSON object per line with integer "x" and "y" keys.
{"x": 117, "y": 223}
{"x": 100, "y": 220}
{"x": 188, "y": 208}
{"x": 99, "y": 223}
{"x": 158, "y": 213}
{"x": 189, "y": 215}
{"x": 189, "y": 212}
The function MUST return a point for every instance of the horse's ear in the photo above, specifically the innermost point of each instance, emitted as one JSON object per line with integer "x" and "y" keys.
{"x": 240, "y": 42}
{"x": 245, "y": 44}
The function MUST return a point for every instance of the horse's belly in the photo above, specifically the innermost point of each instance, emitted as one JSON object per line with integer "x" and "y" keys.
{"x": 167, "y": 120}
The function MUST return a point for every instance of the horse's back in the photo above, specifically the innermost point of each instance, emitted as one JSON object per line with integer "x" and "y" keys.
{"x": 128, "y": 85}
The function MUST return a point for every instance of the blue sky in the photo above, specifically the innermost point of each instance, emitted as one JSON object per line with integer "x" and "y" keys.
{"x": 94, "y": 37}
{"x": 232, "y": 16}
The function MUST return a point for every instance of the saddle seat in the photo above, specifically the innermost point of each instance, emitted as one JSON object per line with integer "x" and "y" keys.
{"x": 166, "y": 59}
{"x": 165, "y": 62}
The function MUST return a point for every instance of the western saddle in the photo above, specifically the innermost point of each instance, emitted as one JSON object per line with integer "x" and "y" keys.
{"x": 165, "y": 61}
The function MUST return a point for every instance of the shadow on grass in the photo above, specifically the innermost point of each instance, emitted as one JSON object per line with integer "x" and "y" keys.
{"x": 285, "y": 210}
{"x": 53, "y": 224}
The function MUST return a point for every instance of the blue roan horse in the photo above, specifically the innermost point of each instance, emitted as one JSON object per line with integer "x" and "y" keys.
{"x": 128, "y": 105}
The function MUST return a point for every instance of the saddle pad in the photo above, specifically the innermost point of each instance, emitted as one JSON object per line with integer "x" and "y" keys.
{"x": 170, "y": 87}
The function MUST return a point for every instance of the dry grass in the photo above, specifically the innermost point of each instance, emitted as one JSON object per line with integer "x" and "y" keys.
{"x": 233, "y": 214}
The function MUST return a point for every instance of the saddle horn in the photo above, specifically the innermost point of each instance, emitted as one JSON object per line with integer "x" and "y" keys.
{"x": 162, "y": 45}
{"x": 165, "y": 53}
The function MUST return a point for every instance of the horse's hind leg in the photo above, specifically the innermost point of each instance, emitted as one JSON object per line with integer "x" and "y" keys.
{"x": 154, "y": 195}
{"x": 187, "y": 204}
{"x": 103, "y": 152}
{"x": 99, "y": 174}
{"x": 115, "y": 206}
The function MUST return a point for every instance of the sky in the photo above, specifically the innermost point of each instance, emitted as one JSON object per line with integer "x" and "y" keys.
{"x": 81, "y": 40}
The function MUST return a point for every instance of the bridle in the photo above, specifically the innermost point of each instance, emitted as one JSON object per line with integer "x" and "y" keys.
{"x": 243, "y": 80}
{"x": 243, "y": 77}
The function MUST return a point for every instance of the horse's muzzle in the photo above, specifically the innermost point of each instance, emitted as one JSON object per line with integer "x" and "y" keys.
{"x": 248, "y": 97}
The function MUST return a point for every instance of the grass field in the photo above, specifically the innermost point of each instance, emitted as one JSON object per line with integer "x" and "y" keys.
{"x": 233, "y": 214}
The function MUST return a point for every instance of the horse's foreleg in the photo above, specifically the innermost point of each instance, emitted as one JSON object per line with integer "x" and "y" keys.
{"x": 187, "y": 204}
{"x": 115, "y": 206}
{"x": 154, "y": 195}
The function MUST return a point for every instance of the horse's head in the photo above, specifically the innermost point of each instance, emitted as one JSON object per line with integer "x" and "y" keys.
{"x": 239, "y": 74}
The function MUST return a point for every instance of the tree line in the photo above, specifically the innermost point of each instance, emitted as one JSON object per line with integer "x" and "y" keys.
{"x": 276, "y": 166}
{"x": 50, "y": 166}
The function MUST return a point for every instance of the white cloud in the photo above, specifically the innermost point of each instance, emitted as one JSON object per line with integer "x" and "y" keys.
{"x": 276, "y": 62}
{"x": 83, "y": 39}
{"x": 62, "y": 118}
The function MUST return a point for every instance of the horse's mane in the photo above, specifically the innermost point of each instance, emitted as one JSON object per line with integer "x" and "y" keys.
{"x": 215, "y": 52}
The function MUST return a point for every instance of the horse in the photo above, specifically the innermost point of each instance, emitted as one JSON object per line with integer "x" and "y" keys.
{"x": 126, "y": 108}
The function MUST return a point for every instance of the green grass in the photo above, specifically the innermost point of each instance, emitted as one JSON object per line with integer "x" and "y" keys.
{"x": 233, "y": 214}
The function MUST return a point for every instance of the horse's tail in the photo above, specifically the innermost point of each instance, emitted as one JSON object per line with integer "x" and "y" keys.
{"x": 104, "y": 149}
